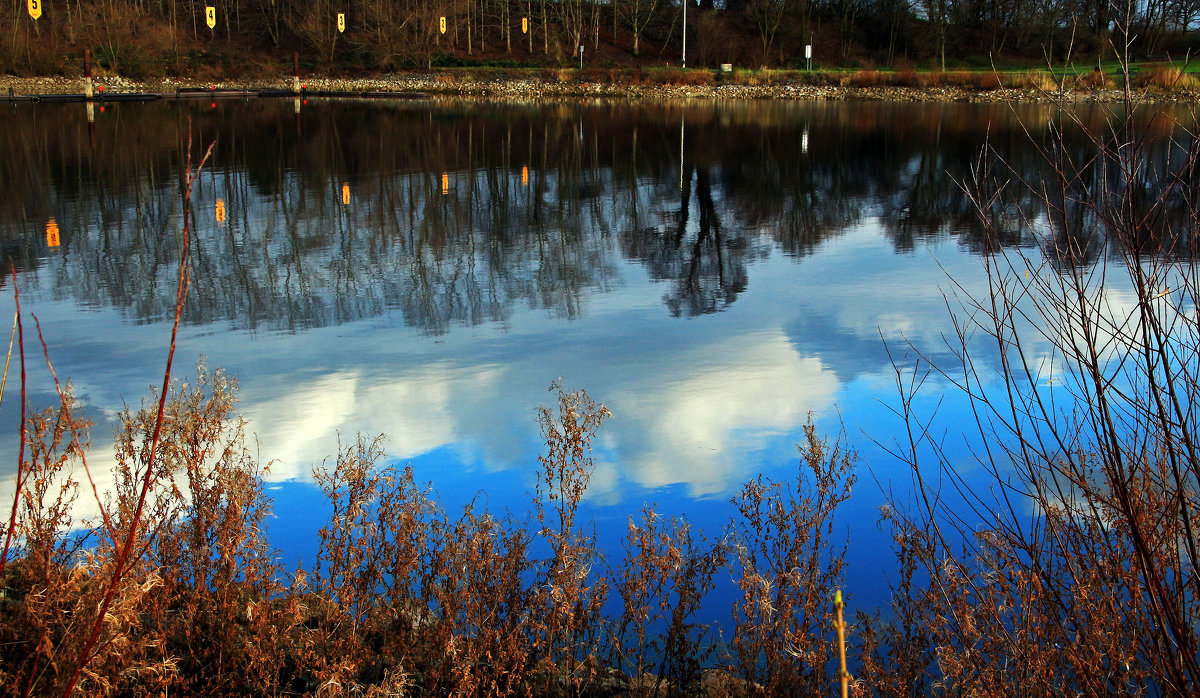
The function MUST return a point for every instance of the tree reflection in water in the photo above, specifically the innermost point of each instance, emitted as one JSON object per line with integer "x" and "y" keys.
{"x": 459, "y": 212}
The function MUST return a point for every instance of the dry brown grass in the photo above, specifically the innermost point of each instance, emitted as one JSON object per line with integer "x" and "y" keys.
{"x": 1167, "y": 78}
{"x": 406, "y": 599}
{"x": 679, "y": 77}
{"x": 1040, "y": 80}
{"x": 1095, "y": 80}
{"x": 402, "y": 598}
{"x": 864, "y": 78}
{"x": 990, "y": 81}
{"x": 908, "y": 77}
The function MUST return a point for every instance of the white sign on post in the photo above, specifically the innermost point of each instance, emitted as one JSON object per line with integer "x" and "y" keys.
{"x": 808, "y": 56}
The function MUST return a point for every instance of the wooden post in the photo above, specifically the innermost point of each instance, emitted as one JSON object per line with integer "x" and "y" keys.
{"x": 88, "y": 92}
{"x": 296, "y": 72}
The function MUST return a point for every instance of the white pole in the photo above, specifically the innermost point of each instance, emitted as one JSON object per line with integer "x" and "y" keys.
{"x": 685, "y": 4}
{"x": 681, "y": 118}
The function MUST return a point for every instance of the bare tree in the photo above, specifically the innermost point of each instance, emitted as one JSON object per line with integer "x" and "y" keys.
{"x": 572, "y": 18}
{"x": 316, "y": 24}
{"x": 635, "y": 15}
{"x": 937, "y": 14}
{"x": 767, "y": 16}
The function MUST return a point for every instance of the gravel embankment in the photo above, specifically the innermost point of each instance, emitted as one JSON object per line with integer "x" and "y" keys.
{"x": 535, "y": 89}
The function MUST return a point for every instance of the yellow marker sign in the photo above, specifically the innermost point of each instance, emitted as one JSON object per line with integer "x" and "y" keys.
{"x": 341, "y": 22}
{"x": 442, "y": 24}
{"x": 52, "y": 233}
{"x": 345, "y": 193}
{"x": 525, "y": 175}
{"x": 210, "y": 16}
{"x": 445, "y": 183}
{"x": 524, "y": 25}
{"x": 35, "y": 8}
{"x": 220, "y": 210}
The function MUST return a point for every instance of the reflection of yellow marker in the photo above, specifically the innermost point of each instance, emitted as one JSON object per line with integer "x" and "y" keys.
{"x": 210, "y": 16}
{"x": 345, "y": 193}
{"x": 445, "y": 183}
{"x": 341, "y": 22}
{"x": 442, "y": 24}
{"x": 220, "y": 210}
{"x": 35, "y": 8}
{"x": 524, "y": 25}
{"x": 52, "y": 239}
{"x": 525, "y": 175}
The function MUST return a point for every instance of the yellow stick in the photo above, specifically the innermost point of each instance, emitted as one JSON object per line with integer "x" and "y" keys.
{"x": 9, "y": 357}
{"x": 843, "y": 675}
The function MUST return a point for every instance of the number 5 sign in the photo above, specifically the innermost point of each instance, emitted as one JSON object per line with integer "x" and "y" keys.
{"x": 35, "y": 8}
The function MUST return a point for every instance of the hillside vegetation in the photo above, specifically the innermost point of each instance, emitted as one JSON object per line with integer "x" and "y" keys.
{"x": 254, "y": 37}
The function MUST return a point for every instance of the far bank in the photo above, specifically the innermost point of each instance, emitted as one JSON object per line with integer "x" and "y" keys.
{"x": 870, "y": 85}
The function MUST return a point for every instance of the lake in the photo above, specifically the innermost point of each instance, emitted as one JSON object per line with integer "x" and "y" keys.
{"x": 716, "y": 273}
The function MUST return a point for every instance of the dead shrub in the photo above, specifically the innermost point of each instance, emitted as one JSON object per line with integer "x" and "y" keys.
{"x": 1078, "y": 577}
{"x": 571, "y": 596}
{"x": 401, "y": 597}
{"x": 47, "y": 580}
{"x": 682, "y": 78}
{"x": 1164, "y": 77}
{"x": 896, "y": 656}
{"x": 907, "y": 78}
{"x": 990, "y": 81}
{"x": 370, "y": 564}
{"x": 218, "y": 572}
{"x": 959, "y": 78}
{"x": 866, "y": 78}
{"x": 667, "y": 572}
{"x": 1040, "y": 80}
{"x": 787, "y": 569}
{"x": 1094, "y": 80}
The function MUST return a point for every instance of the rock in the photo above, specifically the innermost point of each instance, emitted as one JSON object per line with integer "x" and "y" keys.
{"x": 550, "y": 85}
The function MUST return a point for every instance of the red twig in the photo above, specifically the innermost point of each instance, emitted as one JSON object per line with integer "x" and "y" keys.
{"x": 148, "y": 478}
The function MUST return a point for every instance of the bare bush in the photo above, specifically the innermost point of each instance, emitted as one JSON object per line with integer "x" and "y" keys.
{"x": 1073, "y": 568}
{"x": 787, "y": 569}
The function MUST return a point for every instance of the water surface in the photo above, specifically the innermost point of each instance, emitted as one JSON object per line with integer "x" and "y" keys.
{"x": 716, "y": 274}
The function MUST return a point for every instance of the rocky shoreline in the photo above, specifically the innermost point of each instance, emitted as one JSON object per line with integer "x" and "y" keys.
{"x": 567, "y": 85}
